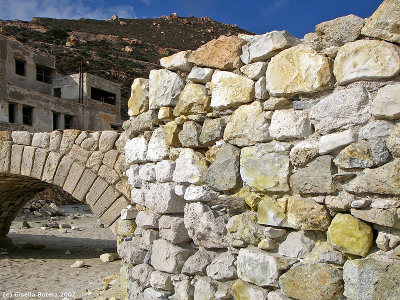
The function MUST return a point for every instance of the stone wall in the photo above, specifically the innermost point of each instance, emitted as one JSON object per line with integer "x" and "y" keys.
{"x": 267, "y": 167}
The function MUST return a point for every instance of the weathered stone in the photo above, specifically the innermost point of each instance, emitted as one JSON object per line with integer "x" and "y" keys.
{"x": 289, "y": 124}
{"x": 341, "y": 110}
{"x": 386, "y": 104}
{"x": 272, "y": 212}
{"x": 161, "y": 198}
{"x": 55, "y": 140}
{"x": 173, "y": 229}
{"x": 109, "y": 257}
{"x": 192, "y": 100}
{"x": 126, "y": 227}
{"x": 247, "y": 126}
{"x": 383, "y": 23}
{"x": 277, "y": 295}
{"x": 198, "y": 262}
{"x": 297, "y": 244}
{"x": 130, "y": 253}
{"x": 139, "y": 101}
{"x": 257, "y": 267}
{"x": 21, "y": 137}
{"x": 133, "y": 176}
{"x": 27, "y": 160}
{"x": 260, "y": 89}
{"x": 167, "y": 257}
{"x": 230, "y": 90}
{"x": 244, "y": 227}
{"x": 312, "y": 281}
{"x": 323, "y": 252}
{"x": 243, "y": 291}
{"x": 298, "y": 70}
{"x": 212, "y": 131}
{"x": 68, "y": 139}
{"x": 304, "y": 213}
{"x": 171, "y": 130}
{"x": 376, "y": 129}
{"x": 341, "y": 202}
{"x": 205, "y": 288}
{"x": 303, "y": 153}
{"x": 140, "y": 123}
{"x": 393, "y": 141}
{"x": 153, "y": 294}
{"x": 316, "y": 177}
{"x": 141, "y": 273}
{"x": 223, "y": 174}
{"x": 200, "y": 75}
{"x": 164, "y": 170}
{"x": 334, "y": 141}
{"x": 147, "y": 172}
{"x": 264, "y": 168}
{"x": 177, "y": 61}
{"x": 222, "y": 53}
{"x": 41, "y": 139}
{"x": 385, "y": 217}
{"x": 204, "y": 226}
{"x": 136, "y": 150}
{"x": 254, "y": 71}
{"x": 222, "y": 267}
{"x": 164, "y": 88}
{"x": 161, "y": 280}
{"x": 275, "y": 103}
{"x": 184, "y": 290}
{"x": 262, "y": 47}
{"x": 371, "y": 278}
{"x": 89, "y": 144}
{"x": 353, "y": 61}
{"x": 190, "y": 134}
{"x": 350, "y": 235}
{"x": 165, "y": 113}
{"x": 356, "y": 155}
{"x": 157, "y": 148}
{"x": 382, "y": 180}
{"x": 190, "y": 167}
{"x": 110, "y": 175}
{"x": 147, "y": 219}
{"x": 201, "y": 193}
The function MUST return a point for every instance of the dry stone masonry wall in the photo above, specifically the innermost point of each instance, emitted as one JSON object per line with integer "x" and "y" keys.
{"x": 87, "y": 165}
{"x": 267, "y": 167}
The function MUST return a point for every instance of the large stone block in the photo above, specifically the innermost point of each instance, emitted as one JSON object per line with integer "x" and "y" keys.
{"x": 177, "y": 61}
{"x": 254, "y": 71}
{"x": 136, "y": 150}
{"x": 200, "y": 75}
{"x": 192, "y": 100}
{"x": 386, "y": 104}
{"x": 222, "y": 53}
{"x": 298, "y": 70}
{"x": 244, "y": 228}
{"x": 167, "y": 257}
{"x": 16, "y": 159}
{"x": 230, "y": 90}
{"x": 190, "y": 134}
{"x": 353, "y": 61}
{"x": 384, "y": 22}
{"x": 39, "y": 161}
{"x": 21, "y": 137}
{"x": 265, "y": 167}
{"x": 84, "y": 184}
{"x": 198, "y": 262}
{"x": 157, "y": 148}
{"x": 164, "y": 88}
{"x": 41, "y": 139}
{"x": 68, "y": 139}
{"x": 248, "y": 125}
{"x": 190, "y": 167}
{"x": 27, "y": 160}
{"x": 212, "y": 131}
{"x": 356, "y": 155}
{"x": 161, "y": 198}
{"x": 223, "y": 267}
{"x": 243, "y": 291}
{"x": 172, "y": 229}
{"x": 107, "y": 140}
{"x": 74, "y": 175}
{"x": 393, "y": 141}
{"x": 272, "y": 212}
{"x": 50, "y": 166}
{"x": 337, "y": 140}
{"x": 297, "y": 244}
{"x": 289, "y": 124}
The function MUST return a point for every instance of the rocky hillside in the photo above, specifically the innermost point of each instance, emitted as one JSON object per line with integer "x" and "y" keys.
{"x": 117, "y": 49}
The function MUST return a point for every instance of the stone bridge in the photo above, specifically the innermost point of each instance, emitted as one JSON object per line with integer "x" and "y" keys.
{"x": 87, "y": 165}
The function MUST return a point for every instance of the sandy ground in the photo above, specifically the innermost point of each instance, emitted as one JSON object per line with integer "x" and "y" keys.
{"x": 30, "y": 273}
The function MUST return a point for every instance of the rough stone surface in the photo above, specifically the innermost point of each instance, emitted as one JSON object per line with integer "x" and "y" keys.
{"x": 303, "y": 153}
{"x": 334, "y": 141}
{"x": 173, "y": 229}
{"x": 164, "y": 170}
{"x": 350, "y": 235}
{"x": 248, "y": 125}
{"x": 147, "y": 172}
{"x": 386, "y": 104}
{"x": 222, "y": 267}
{"x": 41, "y": 139}
{"x": 243, "y": 291}
{"x": 135, "y": 150}
{"x": 262, "y": 47}
{"x": 312, "y": 281}
{"x": 316, "y": 177}
{"x": 275, "y": 103}
{"x": 198, "y": 262}
{"x": 178, "y": 61}
{"x": 192, "y": 100}
{"x": 190, "y": 167}
{"x": 164, "y": 88}
{"x": 128, "y": 251}
{"x": 222, "y": 53}
{"x": 393, "y": 141}
{"x": 139, "y": 101}
{"x": 201, "y": 193}
{"x": 272, "y": 212}
{"x": 297, "y": 244}
{"x": 254, "y": 71}
{"x": 244, "y": 228}
{"x": 340, "y": 110}
{"x": 212, "y": 131}
{"x": 157, "y": 148}
{"x": 200, "y": 75}
{"x": 167, "y": 257}
{"x": 190, "y": 134}
{"x": 289, "y": 124}
{"x": 21, "y": 137}
{"x": 257, "y": 267}
{"x": 379, "y": 215}
{"x": 260, "y": 89}
{"x": 204, "y": 226}
{"x": 230, "y": 90}
{"x": 353, "y": 61}
{"x": 383, "y": 23}
{"x": 264, "y": 168}
{"x": 298, "y": 70}
{"x": 356, "y": 155}
{"x": 161, "y": 198}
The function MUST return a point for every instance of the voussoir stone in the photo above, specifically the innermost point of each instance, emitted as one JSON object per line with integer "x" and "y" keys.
{"x": 139, "y": 101}
{"x": 353, "y": 61}
{"x": 265, "y": 168}
{"x": 298, "y": 70}
{"x": 384, "y": 22}
{"x": 222, "y": 53}
{"x": 386, "y": 104}
{"x": 230, "y": 90}
{"x": 262, "y": 47}
{"x": 313, "y": 281}
{"x": 248, "y": 125}
{"x": 177, "y": 61}
{"x": 164, "y": 88}
{"x": 192, "y": 100}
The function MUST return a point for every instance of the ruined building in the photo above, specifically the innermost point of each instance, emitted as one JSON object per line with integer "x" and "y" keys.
{"x": 34, "y": 98}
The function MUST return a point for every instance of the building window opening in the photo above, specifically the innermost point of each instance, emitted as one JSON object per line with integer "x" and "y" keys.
{"x": 27, "y": 115}
{"x": 115, "y": 127}
{"x": 57, "y": 92}
{"x": 103, "y": 96}
{"x": 68, "y": 122}
{"x": 20, "y": 67}
{"x": 43, "y": 74}
{"x": 11, "y": 112}
{"x": 56, "y": 121}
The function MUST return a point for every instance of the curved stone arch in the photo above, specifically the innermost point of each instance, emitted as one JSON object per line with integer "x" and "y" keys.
{"x": 91, "y": 172}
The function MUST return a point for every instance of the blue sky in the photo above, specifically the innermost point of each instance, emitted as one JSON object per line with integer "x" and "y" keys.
{"x": 259, "y": 16}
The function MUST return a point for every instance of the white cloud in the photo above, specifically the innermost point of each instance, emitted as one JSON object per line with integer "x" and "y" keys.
{"x": 67, "y": 9}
